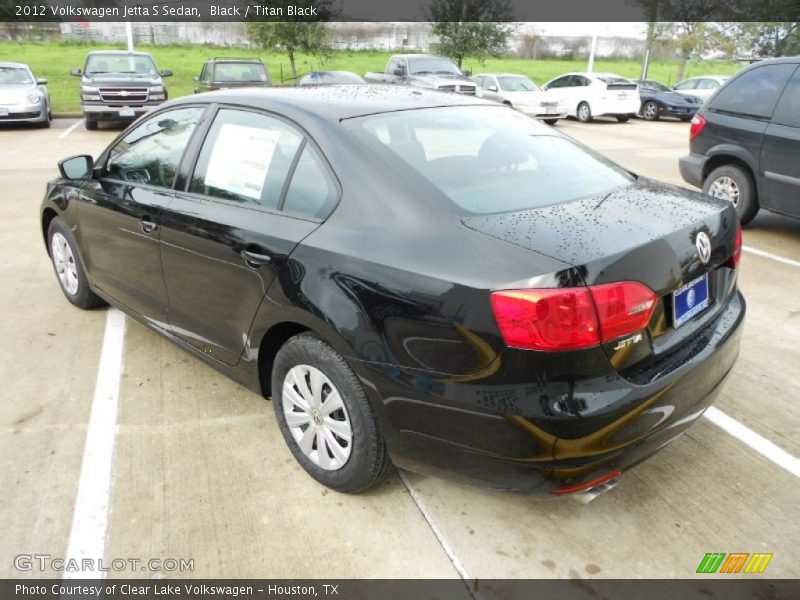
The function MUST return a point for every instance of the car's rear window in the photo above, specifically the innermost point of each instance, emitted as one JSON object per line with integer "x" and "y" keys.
{"x": 492, "y": 159}
{"x": 232, "y": 72}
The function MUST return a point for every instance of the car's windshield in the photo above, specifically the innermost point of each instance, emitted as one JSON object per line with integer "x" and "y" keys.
{"x": 432, "y": 65}
{"x": 15, "y": 76}
{"x": 516, "y": 84}
{"x": 243, "y": 71}
{"x": 488, "y": 159}
{"x": 136, "y": 65}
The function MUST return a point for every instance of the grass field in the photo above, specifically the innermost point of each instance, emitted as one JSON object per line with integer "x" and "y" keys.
{"x": 53, "y": 62}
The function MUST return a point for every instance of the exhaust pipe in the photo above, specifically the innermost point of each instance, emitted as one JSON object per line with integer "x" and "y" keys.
{"x": 587, "y": 496}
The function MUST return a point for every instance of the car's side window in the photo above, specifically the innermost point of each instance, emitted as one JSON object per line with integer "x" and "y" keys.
{"x": 754, "y": 93}
{"x": 788, "y": 110}
{"x": 686, "y": 85}
{"x": 245, "y": 158}
{"x": 707, "y": 84}
{"x": 311, "y": 192}
{"x": 579, "y": 81}
{"x": 204, "y": 74}
{"x": 559, "y": 83}
{"x": 151, "y": 153}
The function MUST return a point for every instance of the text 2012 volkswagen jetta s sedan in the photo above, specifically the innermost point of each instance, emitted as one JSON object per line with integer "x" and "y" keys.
{"x": 415, "y": 278}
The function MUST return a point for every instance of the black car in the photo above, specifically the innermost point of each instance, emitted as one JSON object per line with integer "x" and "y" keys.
{"x": 416, "y": 278}
{"x": 223, "y": 73}
{"x": 330, "y": 78}
{"x": 660, "y": 101}
{"x": 745, "y": 142}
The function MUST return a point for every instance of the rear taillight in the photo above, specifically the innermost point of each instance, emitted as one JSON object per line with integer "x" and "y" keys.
{"x": 572, "y": 318}
{"x": 698, "y": 122}
{"x": 733, "y": 261}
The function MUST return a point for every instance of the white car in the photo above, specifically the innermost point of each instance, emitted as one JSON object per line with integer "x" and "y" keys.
{"x": 702, "y": 86}
{"x": 589, "y": 95}
{"x": 520, "y": 93}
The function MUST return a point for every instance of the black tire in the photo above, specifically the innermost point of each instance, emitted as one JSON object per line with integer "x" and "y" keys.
{"x": 623, "y": 118}
{"x": 83, "y": 297}
{"x": 584, "y": 112}
{"x": 686, "y": 119}
{"x": 369, "y": 461}
{"x": 550, "y": 121}
{"x": 747, "y": 204}
{"x": 90, "y": 125}
{"x": 46, "y": 123}
{"x": 650, "y": 111}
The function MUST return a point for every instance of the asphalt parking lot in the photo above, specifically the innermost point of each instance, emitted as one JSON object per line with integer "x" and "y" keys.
{"x": 200, "y": 470}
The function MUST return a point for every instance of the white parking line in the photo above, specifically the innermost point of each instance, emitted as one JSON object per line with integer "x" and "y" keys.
{"x": 775, "y": 257}
{"x": 87, "y": 538}
{"x": 66, "y": 132}
{"x": 758, "y": 443}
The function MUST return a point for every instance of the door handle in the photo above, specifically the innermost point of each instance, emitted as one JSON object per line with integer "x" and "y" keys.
{"x": 255, "y": 259}
{"x": 147, "y": 225}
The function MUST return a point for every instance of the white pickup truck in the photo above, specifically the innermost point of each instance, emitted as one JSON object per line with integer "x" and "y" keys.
{"x": 424, "y": 71}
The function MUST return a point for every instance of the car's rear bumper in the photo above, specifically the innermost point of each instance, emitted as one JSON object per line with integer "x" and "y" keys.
{"x": 691, "y": 167}
{"x": 513, "y": 436}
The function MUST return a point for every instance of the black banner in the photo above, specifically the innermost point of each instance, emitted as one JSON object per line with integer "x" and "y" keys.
{"x": 733, "y": 588}
{"x": 399, "y": 10}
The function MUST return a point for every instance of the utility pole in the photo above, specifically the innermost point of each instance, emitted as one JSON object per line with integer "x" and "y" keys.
{"x": 591, "y": 53}
{"x": 129, "y": 35}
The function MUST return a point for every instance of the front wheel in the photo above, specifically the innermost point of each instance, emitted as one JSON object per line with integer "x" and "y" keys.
{"x": 732, "y": 183}
{"x": 550, "y": 121}
{"x": 68, "y": 267}
{"x": 623, "y": 118}
{"x": 650, "y": 111}
{"x": 90, "y": 125}
{"x": 584, "y": 112}
{"x": 325, "y": 416}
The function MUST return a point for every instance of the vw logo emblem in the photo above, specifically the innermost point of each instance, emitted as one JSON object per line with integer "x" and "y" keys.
{"x": 703, "y": 244}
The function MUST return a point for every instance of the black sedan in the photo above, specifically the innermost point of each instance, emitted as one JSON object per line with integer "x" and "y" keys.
{"x": 415, "y": 278}
{"x": 660, "y": 101}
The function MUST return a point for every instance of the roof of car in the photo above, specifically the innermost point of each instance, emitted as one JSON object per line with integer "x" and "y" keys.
{"x": 234, "y": 59}
{"x": 119, "y": 52}
{"x": 722, "y": 77}
{"x": 13, "y": 64}
{"x": 499, "y": 75}
{"x": 337, "y": 102}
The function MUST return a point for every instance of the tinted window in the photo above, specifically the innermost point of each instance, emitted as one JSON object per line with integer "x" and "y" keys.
{"x": 311, "y": 192}
{"x": 560, "y": 82}
{"x": 487, "y": 159}
{"x": 755, "y": 92}
{"x": 245, "y": 158}
{"x": 579, "y": 81}
{"x": 788, "y": 109}
{"x": 151, "y": 153}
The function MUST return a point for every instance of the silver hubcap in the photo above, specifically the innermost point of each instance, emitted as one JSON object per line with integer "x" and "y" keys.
{"x": 64, "y": 261}
{"x": 650, "y": 110}
{"x": 317, "y": 417}
{"x": 725, "y": 187}
{"x": 583, "y": 112}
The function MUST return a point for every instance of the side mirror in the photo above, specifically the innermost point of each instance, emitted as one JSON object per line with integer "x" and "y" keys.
{"x": 41, "y": 81}
{"x": 467, "y": 72}
{"x": 75, "y": 72}
{"x": 492, "y": 88}
{"x": 77, "y": 168}
{"x": 400, "y": 71}
{"x": 166, "y": 73}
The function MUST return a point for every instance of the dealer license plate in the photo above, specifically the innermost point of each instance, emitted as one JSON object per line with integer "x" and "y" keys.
{"x": 3, "y": 111}
{"x": 126, "y": 111}
{"x": 690, "y": 300}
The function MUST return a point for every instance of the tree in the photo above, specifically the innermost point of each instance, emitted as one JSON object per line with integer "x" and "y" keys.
{"x": 298, "y": 35}
{"x": 770, "y": 39}
{"x": 689, "y": 37}
{"x": 470, "y": 28}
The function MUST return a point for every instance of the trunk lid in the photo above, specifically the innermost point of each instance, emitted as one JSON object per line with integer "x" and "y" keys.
{"x": 645, "y": 232}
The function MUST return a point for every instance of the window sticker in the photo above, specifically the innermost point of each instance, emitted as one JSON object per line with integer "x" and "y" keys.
{"x": 241, "y": 158}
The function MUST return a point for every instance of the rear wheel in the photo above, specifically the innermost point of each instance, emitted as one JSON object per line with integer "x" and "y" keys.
{"x": 551, "y": 121}
{"x": 584, "y": 112}
{"x": 325, "y": 416}
{"x": 733, "y": 183}
{"x": 68, "y": 267}
{"x": 650, "y": 111}
{"x": 623, "y": 118}
{"x": 90, "y": 125}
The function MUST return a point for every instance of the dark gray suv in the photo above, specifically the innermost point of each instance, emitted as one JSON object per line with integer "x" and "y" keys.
{"x": 745, "y": 140}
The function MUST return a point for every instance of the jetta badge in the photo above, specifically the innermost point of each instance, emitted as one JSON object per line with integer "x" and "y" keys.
{"x": 703, "y": 247}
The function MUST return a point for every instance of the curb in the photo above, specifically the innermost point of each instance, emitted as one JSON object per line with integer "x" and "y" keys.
{"x": 67, "y": 115}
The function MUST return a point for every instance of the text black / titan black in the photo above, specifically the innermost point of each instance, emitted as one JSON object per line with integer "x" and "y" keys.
{"x": 415, "y": 278}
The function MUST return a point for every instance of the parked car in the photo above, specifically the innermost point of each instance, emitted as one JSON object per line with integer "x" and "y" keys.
{"x": 424, "y": 71}
{"x": 119, "y": 86}
{"x": 589, "y": 95}
{"x": 520, "y": 93}
{"x": 330, "y": 78}
{"x": 413, "y": 277}
{"x": 223, "y": 73}
{"x": 657, "y": 101}
{"x": 745, "y": 141}
{"x": 700, "y": 87}
{"x": 23, "y": 98}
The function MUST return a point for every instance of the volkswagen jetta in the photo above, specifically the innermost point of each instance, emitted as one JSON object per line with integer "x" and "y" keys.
{"x": 415, "y": 278}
